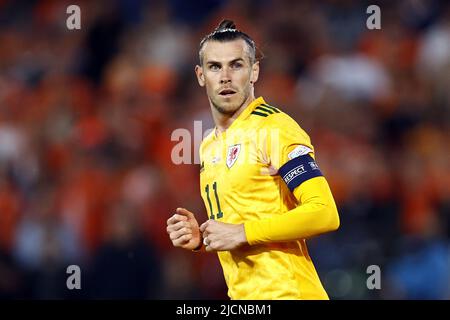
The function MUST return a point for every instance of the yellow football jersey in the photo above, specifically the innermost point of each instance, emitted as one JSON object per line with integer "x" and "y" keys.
{"x": 239, "y": 183}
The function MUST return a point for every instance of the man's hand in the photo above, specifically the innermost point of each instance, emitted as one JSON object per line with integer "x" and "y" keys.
{"x": 183, "y": 230}
{"x": 219, "y": 236}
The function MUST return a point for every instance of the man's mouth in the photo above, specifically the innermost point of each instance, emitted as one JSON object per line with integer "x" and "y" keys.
{"x": 227, "y": 92}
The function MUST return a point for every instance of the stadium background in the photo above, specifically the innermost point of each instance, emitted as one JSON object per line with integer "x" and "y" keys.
{"x": 86, "y": 117}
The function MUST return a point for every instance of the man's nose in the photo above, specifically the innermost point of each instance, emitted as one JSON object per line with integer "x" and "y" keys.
{"x": 225, "y": 76}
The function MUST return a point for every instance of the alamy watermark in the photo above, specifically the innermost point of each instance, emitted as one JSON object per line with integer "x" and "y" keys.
{"x": 244, "y": 146}
{"x": 374, "y": 280}
{"x": 74, "y": 280}
{"x": 73, "y": 21}
{"x": 374, "y": 20}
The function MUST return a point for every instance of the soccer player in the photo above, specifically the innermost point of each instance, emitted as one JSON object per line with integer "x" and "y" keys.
{"x": 261, "y": 186}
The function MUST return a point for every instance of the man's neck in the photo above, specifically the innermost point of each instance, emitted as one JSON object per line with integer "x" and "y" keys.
{"x": 224, "y": 121}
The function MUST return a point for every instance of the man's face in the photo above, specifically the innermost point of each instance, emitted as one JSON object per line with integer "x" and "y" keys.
{"x": 227, "y": 74}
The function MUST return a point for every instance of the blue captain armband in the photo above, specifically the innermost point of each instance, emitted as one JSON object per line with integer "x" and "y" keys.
{"x": 298, "y": 170}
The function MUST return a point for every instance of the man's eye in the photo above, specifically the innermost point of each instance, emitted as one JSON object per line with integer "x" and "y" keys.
{"x": 237, "y": 65}
{"x": 214, "y": 67}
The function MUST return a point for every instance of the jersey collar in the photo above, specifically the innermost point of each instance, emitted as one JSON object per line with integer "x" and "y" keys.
{"x": 244, "y": 115}
{"x": 251, "y": 107}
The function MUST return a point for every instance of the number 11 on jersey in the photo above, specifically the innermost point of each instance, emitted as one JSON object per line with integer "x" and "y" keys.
{"x": 219, "y": 213}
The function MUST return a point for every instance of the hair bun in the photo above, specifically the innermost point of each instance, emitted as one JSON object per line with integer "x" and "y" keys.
{"x": 226, "y": 24}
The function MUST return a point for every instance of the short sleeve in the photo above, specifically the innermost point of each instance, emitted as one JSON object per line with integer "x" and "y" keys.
{"x": 285, "y": 141}
{"x": 289, "y": 151}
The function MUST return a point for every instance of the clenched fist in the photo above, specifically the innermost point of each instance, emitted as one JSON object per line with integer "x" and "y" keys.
{"x": 220, "y": 236}
{"x": 183, "y": 230}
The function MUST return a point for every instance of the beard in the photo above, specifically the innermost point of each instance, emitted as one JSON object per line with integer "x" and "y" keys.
{"x": 230, "y": 108}
{"x": 225, "y": 110}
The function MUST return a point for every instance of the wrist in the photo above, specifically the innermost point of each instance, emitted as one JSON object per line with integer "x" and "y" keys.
{"x": 242, "y": 235}
{"x": 250, "y": 235}
{"x": 200, "y": 245}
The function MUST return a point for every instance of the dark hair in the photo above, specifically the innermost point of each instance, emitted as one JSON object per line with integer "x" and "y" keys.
{"x": 226, "y": 31}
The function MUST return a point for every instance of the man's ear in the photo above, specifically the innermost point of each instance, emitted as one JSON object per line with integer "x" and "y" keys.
{"x": 200, "y": 75}
{"x": 255, "y": 72}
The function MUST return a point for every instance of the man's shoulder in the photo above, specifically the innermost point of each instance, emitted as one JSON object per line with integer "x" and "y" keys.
{"x": 270, "y": 117}
{"x": 282, "y": 125}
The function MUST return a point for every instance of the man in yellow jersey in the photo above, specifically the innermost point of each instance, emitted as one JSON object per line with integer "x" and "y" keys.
{"x": 262, "y": 188}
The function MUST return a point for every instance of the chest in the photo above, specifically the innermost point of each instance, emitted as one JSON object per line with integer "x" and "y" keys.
{"x": 232, "y": 164}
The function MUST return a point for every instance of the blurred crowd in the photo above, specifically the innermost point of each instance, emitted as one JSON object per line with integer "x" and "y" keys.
{"x": 86, "y": 116}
